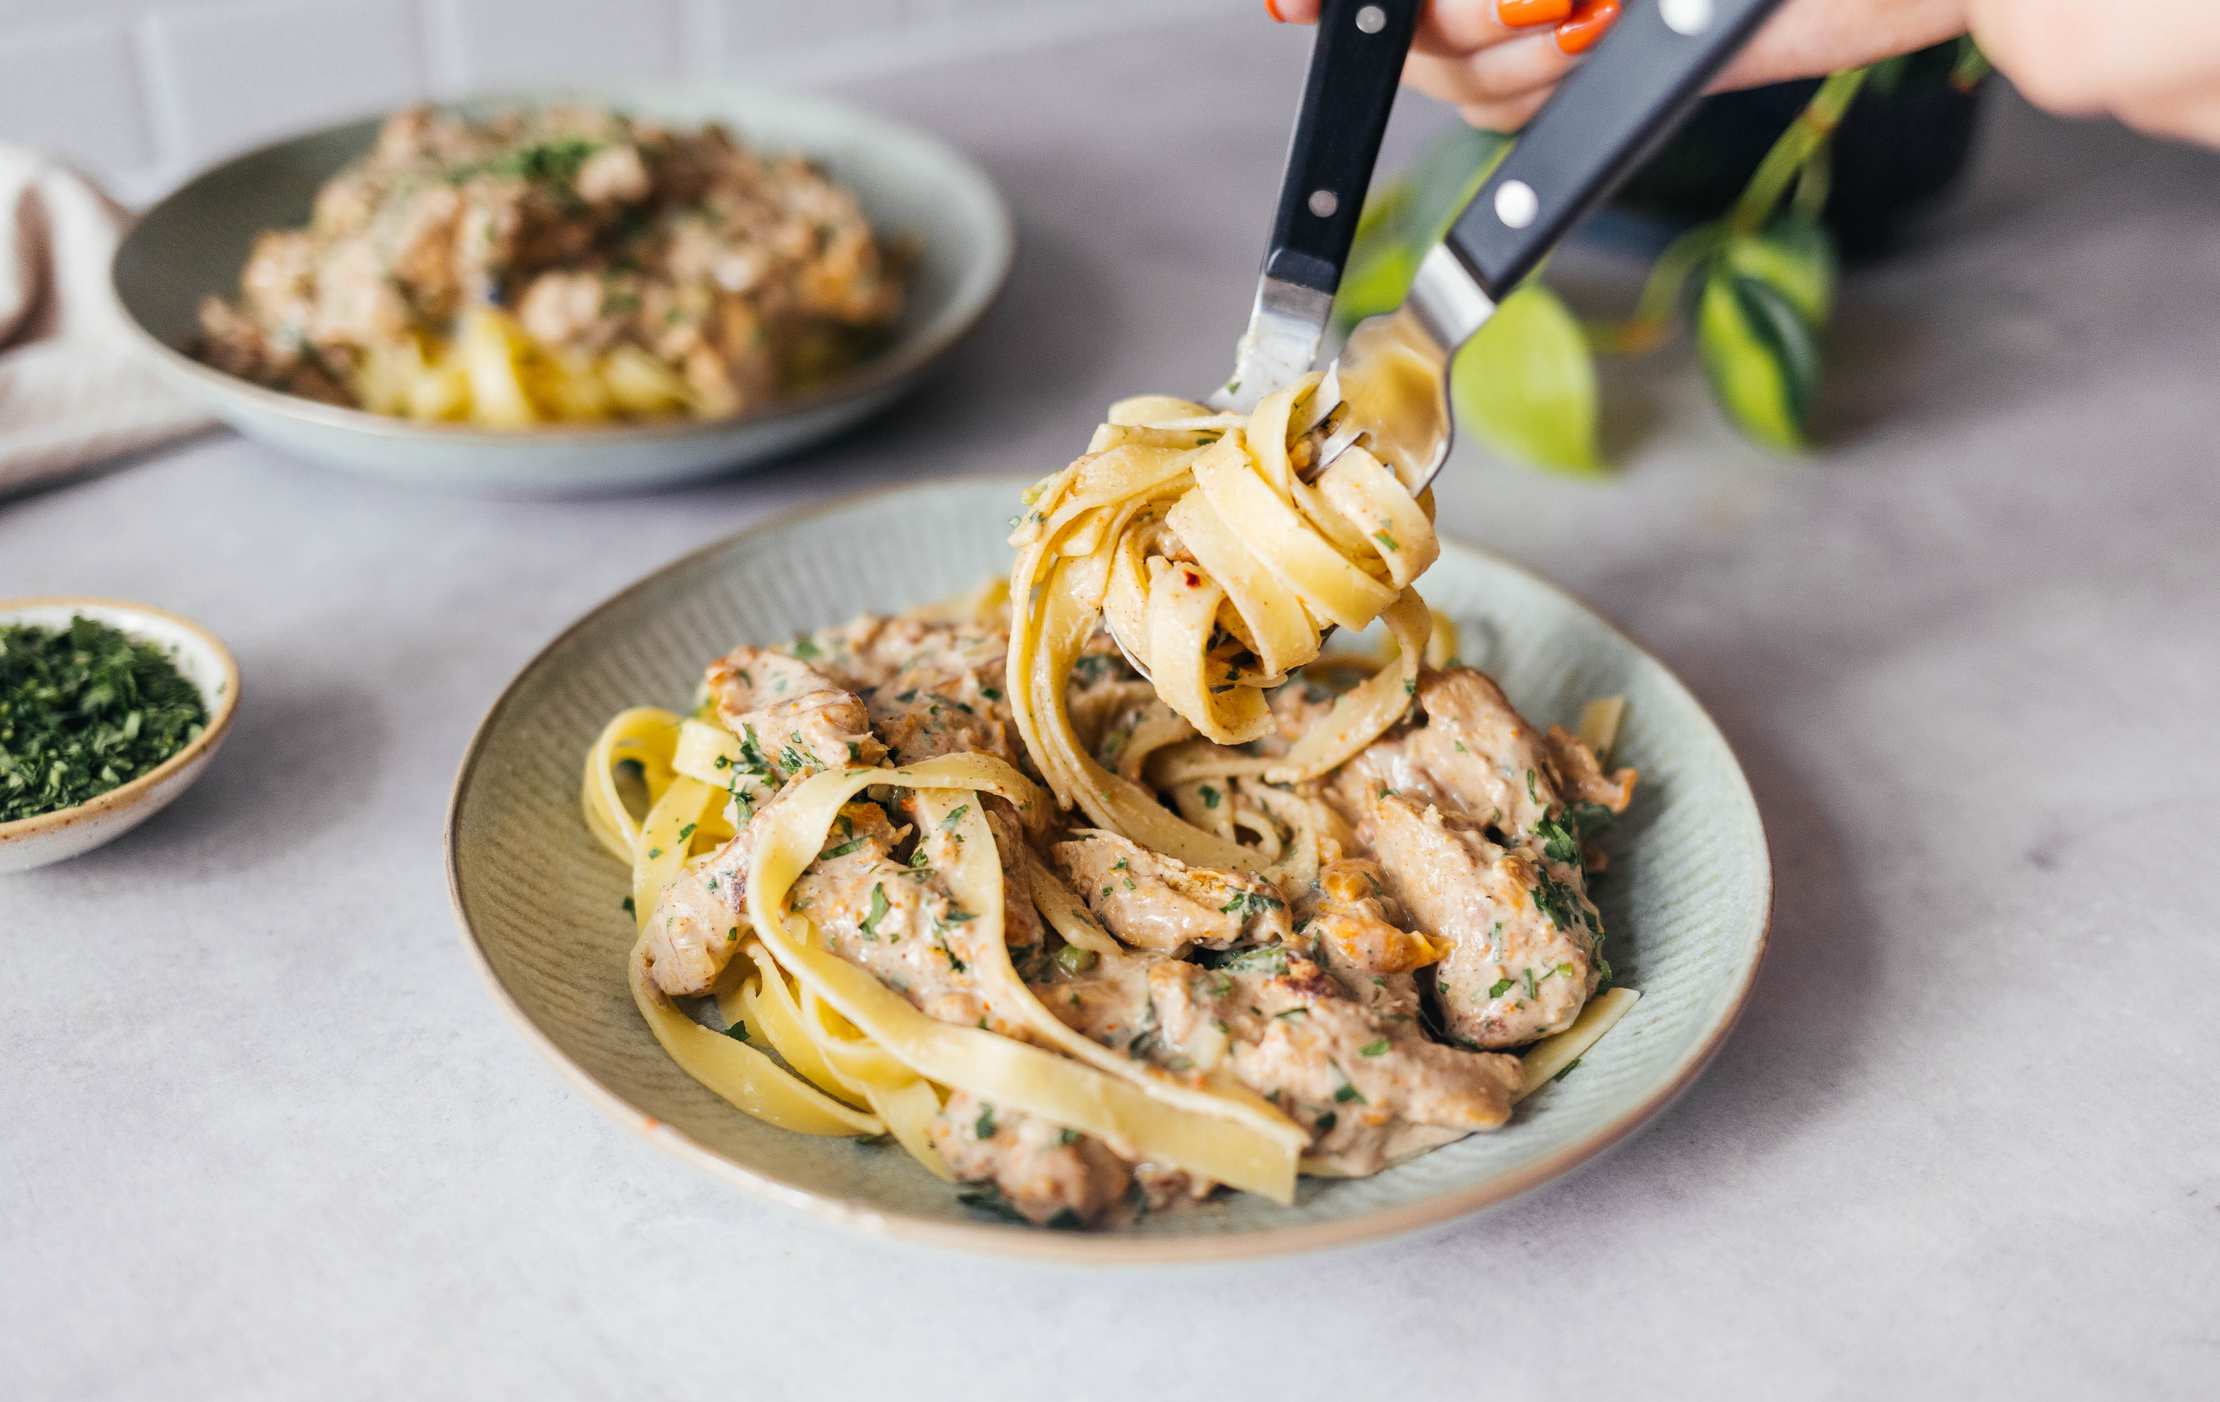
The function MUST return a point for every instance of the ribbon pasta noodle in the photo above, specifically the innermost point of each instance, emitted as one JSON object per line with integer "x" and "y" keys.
{"x": 1207, "y": 545}
{"x": 888, "y": 1055}
{"x": 1137, "y": 532}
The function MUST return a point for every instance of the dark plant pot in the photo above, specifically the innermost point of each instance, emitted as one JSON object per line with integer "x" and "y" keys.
{"x": 1900, "y": 148}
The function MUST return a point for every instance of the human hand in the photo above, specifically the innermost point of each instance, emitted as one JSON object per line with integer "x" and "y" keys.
{"x": 1498, "y": 61}
{"x": 1495, "y": 61}
{"x": 2155, "y": 65}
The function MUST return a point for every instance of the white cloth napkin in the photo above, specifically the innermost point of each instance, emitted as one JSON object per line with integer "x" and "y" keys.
{"x": 74, "y": 389}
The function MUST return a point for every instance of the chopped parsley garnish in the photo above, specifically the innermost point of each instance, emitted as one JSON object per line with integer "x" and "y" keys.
{"x": 1559, "y": 841}
{"x": 1264, "y": 959}
{"x": 955, "y": 816}
{"x": 1210, "y": 796}
{"x": 686, "y": 832}
{"x": 1386, "y": 541}
{"x": 1530, "y": 791}
{"x": 1326, "y": 1121}
{"x": 806, "y": 648}
{"x": 627, "y": 907}
{"x": 1561, "y": 904}
{"x": 984, "y": 1126}
{"x": 1091, "y": 667}
{"x": 1074, "y": 960}
{"x": 987, "y": 1198}
{"x": 85, "y": 709}
{"x": 1067, "y": 1137}
{"x": 841, "y": 851}
{"x": 738, "y": 1032}
{"x": 869, "y": 926}
{"x": 1500, "y": 987}
{"x": 1374, "y": 1048}
{"x": 1588, "y": 819}
{"x": 995, "y": 694}
{"x": 1348, "y": 1093}
{"x": 751, "y": 753}
{"x": 542, "y": 162}
{"x": 1250, "y": 902}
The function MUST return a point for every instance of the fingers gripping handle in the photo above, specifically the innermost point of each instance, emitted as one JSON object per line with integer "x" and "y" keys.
{"x": 1627, "y": 96}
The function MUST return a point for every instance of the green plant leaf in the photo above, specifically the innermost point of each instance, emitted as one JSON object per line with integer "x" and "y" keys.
{"x": 1796, "y": 258}
{"x": 1407, "y": 215}
{"x": 1761, "y": 356}
{"x": 1526, "y": 384}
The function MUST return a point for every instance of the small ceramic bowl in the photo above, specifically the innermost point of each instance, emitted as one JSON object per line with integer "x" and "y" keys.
{"x": 199, "y": 656}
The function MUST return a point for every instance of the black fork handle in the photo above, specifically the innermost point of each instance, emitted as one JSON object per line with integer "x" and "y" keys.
{"x": 1355, "y": 64}
{"x": 1626, "y": 97}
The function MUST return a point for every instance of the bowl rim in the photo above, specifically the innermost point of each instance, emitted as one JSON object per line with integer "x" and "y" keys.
{"x": 984, "y": 272}
{"x": 220, "y": 711}
{"x": 1083, "y": 1248}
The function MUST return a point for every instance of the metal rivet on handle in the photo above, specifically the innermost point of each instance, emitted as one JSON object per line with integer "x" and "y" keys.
{"x": 1323, "y": 203}
{"x": 1689, "y": 17}
{"x": 1516, "y": 204}
{"x": 1371, "y": 19}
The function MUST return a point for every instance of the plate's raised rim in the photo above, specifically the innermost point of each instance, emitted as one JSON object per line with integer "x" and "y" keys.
{"x": 221, "y": 707}
{"x": 1081, "y": 1247}
{"x": 978, "y": 292}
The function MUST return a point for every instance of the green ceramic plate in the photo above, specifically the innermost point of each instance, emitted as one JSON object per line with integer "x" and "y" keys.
{"x": 1687, "y": 900}
{"x": 911, "y": 185}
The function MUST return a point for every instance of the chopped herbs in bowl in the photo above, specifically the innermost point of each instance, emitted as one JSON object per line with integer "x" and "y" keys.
{"x": 107, "y": 711}
{"x": 84, "y": 709}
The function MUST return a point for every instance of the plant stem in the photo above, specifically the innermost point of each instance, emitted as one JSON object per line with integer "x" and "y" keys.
{"x": 1652, "y": 323}
{"x": 1804, "y": 137}
{"x": 1814, "y": 185}
{"x": 1972, "y": 66}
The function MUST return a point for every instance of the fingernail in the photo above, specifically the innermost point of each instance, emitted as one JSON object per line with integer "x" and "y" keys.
{"x": 1588, "y": 23}
{"x": 1272, "y": 8}
{"x": 1521, "y": 14}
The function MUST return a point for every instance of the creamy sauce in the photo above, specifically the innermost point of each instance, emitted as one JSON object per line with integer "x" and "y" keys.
{"x": 1319, "y": 998}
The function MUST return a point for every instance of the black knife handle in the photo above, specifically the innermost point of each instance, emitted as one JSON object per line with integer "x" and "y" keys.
{"x": 1627, "y": 96}
{"x": 1355, "y": 64}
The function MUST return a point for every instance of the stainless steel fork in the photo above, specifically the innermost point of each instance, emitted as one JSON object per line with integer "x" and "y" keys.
{"x": 1389, "y": 385}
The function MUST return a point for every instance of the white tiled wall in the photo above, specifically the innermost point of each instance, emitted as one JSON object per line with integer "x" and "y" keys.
{"x": 143, "y": 91}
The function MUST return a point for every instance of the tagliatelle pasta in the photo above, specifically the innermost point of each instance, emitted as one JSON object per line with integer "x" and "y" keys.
{"x": 491, "y": 372}
{"x": 1195, "y": 535}
{"x": 561, "y": 264}
{"x": 1203, "y": 542}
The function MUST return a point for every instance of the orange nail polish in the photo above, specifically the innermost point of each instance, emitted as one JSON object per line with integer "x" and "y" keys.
{"x": 1272, "y": 8}
{"x": 1589, "y": 23}
{"x": 1519, "y": 14}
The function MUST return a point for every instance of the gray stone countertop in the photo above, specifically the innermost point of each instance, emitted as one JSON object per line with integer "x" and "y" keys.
{"x": 268, "y": 1136}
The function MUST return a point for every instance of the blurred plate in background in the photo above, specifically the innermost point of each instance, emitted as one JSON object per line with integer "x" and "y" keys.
{"x": 912, "y": 186}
